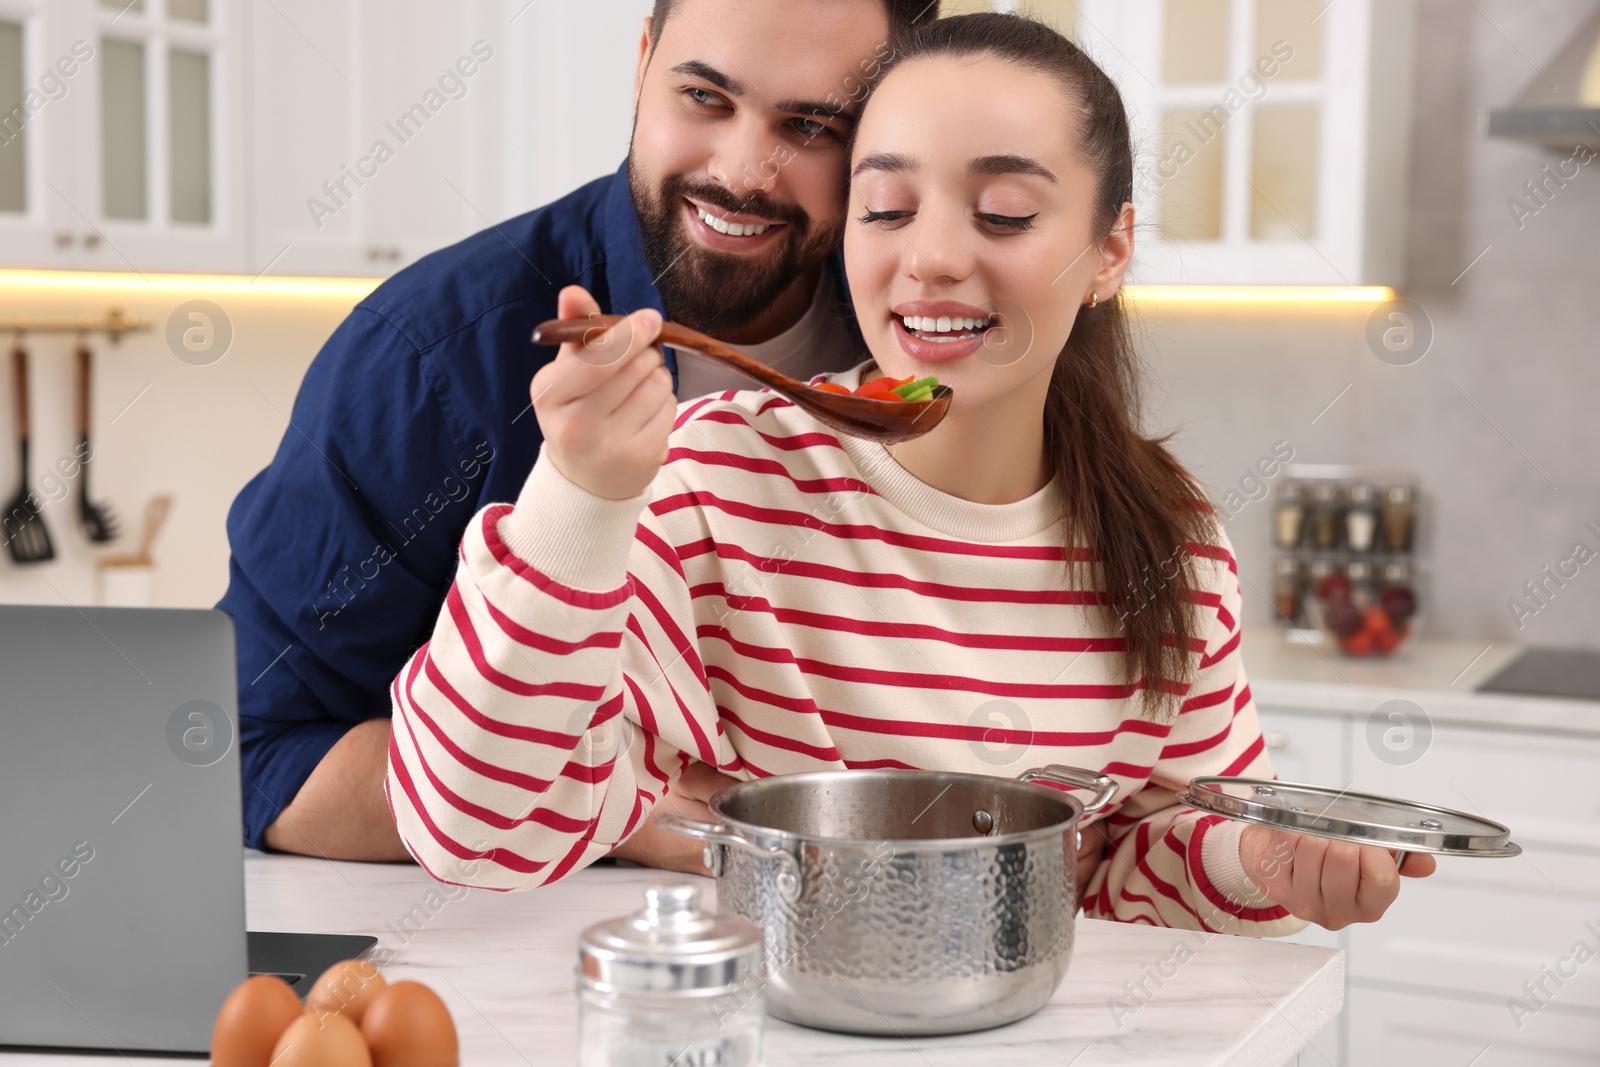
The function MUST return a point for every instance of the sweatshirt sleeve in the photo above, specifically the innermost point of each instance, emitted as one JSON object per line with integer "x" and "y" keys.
{"x": 1169, "y": 864}
{"x": 559, "y": 696}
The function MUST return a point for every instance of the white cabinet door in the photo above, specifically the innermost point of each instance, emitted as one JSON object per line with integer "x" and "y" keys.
{"x": 1271, "y": 135}
{"x": 49, "y": 128}
{"x": 426, "y": 110}
{"x": 1543, "y": 786}
{"x": 1311, "y": 749}
{"x": 381, "y": 129}
{"x": 163, "y": 178}
{"x": 571, "y": 109}
{"x": 306, "y": 137}
{"x": 1523, "y": 928}
{"x": 127, "y": 147}
{"x": 1305, "y": 748}
{"x": 1488, "y": 926}
{"x": 1403, "y": 1029}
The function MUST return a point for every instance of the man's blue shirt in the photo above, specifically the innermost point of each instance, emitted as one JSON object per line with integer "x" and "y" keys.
{"x": 413, "y": 416}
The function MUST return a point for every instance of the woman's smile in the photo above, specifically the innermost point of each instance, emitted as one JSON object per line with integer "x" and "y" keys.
{"x": 939, "y": 331}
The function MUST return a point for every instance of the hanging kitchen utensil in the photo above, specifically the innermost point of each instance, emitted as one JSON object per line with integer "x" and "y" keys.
{"x": 1343, "y": 815}
{"x": 23, "y": 521}
{"x": 155, "y": 514}
{"x": 883, "y": 421}
{"x": 99, "y": 525}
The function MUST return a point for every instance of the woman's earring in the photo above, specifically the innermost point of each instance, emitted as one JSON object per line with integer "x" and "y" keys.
{"x": 1094, "y": 298}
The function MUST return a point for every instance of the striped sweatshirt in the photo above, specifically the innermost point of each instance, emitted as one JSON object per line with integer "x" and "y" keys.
{"x": 785, "y": 599}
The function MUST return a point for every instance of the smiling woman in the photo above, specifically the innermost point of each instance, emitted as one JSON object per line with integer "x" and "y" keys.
{"x": 638, "y": 610}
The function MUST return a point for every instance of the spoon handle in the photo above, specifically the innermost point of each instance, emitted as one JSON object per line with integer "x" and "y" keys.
{"x": 576, "y": 331}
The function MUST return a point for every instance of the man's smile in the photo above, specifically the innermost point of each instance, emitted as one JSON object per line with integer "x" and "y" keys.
{"x": 728, "y": 231}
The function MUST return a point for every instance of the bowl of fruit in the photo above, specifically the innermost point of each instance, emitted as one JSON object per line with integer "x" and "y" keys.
{"x": 1363, "y": 623}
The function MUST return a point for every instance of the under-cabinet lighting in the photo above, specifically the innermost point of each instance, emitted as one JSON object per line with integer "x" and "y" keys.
{"x": 352, "y": 289}
{"x": 355, "y": 288}
{"x": 1260, "y": 294}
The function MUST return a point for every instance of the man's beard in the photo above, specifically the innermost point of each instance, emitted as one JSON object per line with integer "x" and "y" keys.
{"x": 719, "y": 292}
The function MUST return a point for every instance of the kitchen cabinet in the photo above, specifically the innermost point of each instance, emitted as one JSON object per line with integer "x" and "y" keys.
{"x": 1497, "y": 954}
{"x": 1411, "y": 1030}
{"x": 1273, "y": 136}
{"x": 1311, "y": 748}
{"x": 121, "y": 142}
{"x": 293, "y": 136}
{"x": 375, "y": 131}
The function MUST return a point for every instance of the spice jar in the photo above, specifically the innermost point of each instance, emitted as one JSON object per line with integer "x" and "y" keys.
{"x": 1325, "y": 516}
{"x": 1361, "y": 519}
{"x": 1286, "y": 590}
{"x": 1363, "y": 584}
{"x": 1399, "y": 515}
{"x": 1289, "y": 519}
{"x": 1398, "y": 595}
{"x": 671, "y": 986}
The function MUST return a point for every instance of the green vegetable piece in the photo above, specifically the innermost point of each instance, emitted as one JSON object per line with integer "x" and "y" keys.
{"x": 920, "y": 385}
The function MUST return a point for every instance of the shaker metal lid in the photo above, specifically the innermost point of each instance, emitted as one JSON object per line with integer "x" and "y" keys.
{"x": 1343, "y": 815}
{"x": 669, "y": 947}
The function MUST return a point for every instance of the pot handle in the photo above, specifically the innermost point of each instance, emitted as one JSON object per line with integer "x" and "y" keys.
{"x": 718, "y": 834}
{"x": 1104, "y": 786}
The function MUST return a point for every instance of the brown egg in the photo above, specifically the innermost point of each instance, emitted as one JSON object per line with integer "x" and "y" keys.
{"x": 321, "y": 1041}
{"x": 346, "y": 989}
{"x": 252, "y": 1019}
{"x": 409, "y": 1026}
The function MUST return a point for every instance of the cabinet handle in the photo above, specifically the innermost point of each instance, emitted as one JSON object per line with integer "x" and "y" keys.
{"x": 64, "y": 239}
{"x": 1275, "y": 739}
{"x": 91, "y": 240}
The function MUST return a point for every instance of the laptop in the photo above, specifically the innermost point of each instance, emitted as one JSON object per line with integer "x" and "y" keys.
{"x": 122, "y": 914}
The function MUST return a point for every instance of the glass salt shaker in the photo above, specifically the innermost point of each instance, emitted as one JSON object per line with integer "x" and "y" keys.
{"x": 1361, "y": 519}
{"x": 671, "y": 986}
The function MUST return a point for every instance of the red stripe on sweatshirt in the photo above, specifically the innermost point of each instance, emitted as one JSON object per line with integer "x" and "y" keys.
{"x": 787, "y": 518}
{"x": 468, "y": 633}
{"x": 826, "y": 753}
{"x": 796, "y": 568}
{"x": 502, "y": 856}
{"x": 902, "y": 630}
{"x": 1202, "y": 881}
{"x": 532, "y": 638}
{"x": 683, "y": 454}
{"x": 702, "y": 743}
{"x": 785, "y": 442}
{"x": 578, "y": 598}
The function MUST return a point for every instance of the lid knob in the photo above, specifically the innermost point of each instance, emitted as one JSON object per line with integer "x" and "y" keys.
{"x": 666, "y": 902}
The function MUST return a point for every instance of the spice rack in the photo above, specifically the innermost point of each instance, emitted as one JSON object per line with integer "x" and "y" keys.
{"x": 1346, "y": 543}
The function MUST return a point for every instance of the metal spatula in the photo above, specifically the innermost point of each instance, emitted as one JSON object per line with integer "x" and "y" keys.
{"x": 25, "y": 532}
{"x": 99, "y": 525}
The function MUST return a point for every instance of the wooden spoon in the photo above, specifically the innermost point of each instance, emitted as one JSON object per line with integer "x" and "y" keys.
{"x": 883, "y": 421}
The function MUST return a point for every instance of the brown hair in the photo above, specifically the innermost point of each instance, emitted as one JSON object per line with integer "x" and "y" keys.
{"x": 903, "y": 15}
{"x": 1137, "y": 509}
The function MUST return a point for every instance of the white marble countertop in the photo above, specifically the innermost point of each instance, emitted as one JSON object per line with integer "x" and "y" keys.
{"x": 1438, "y": 674}
{"x": 504, "y": 965}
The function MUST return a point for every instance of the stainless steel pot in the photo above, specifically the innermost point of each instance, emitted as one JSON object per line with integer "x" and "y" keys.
{"x": 903, "y": 902}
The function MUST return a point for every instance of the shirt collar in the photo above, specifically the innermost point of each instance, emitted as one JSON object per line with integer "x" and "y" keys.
{"x": 627, "y": 273}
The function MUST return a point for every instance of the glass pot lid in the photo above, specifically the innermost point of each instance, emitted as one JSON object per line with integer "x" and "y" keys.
{"x": 1344, "y": 815}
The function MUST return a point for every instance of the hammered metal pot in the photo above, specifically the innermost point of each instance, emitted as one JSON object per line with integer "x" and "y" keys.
{"x": 903, "y": 902}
